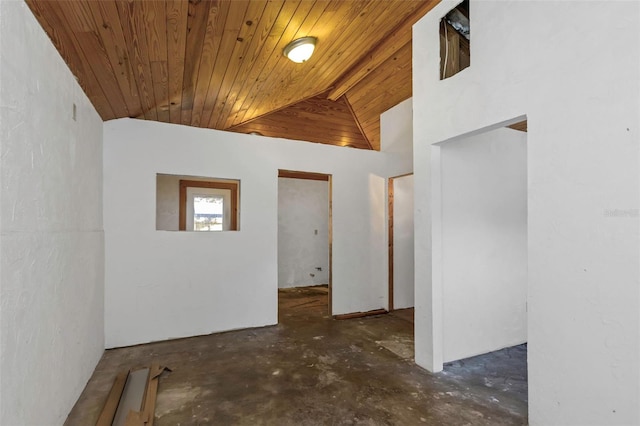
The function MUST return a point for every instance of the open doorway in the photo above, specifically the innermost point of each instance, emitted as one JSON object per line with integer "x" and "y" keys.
{"x": 480, "y": 257}
{"x": 401, "y": 246}
{"x": 304, "y": 244}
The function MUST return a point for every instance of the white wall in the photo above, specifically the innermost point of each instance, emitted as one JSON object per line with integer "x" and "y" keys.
{"x": 484, "y": 243}
{"x": 563, "y": 65}
{"x": 51, "y": 239}
{"x": 161, "y": 284}
{"x": 303, "y": 232}
{"x": 396, "y": 129}
{"x": 403, "y": 252}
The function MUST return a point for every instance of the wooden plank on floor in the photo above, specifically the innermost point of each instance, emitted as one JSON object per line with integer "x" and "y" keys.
{"x": 109, "y": 411}
{"x": 361, "y": 314}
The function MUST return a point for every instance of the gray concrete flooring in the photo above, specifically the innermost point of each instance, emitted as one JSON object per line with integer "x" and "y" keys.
{"x": 313, "y": 370}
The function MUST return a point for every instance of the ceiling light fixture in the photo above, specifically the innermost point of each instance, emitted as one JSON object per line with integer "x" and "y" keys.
{"x": 300, "y": 50}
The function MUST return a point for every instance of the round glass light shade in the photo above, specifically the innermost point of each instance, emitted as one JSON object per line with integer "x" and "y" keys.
{"x": 301, "y": 49}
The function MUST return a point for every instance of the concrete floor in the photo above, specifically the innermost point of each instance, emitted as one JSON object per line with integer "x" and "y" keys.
{"x": 312, "y": 370}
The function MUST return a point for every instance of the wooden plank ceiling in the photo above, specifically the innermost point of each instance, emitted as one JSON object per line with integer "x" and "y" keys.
{"x": 219, "y": 63}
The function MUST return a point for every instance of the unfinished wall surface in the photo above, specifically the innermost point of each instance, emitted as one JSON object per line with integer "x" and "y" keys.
{"x": 168, "y": 202}
{"x": 403, "y": 251}
{"x": 303, "y": 232}
{"x": 578, "y": 86}
{"x": 162, "y": 284}
{"x": 484, "y": 242}
{"x": 51, "y": 240}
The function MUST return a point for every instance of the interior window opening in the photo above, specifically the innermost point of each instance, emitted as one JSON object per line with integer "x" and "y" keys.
{"x": 192, "y": 203}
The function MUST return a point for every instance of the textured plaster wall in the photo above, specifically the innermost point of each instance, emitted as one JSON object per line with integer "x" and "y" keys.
{"x": 303, "y": 232}
{"x": 51, "y": 239}
{"x": 162, "y": 285}
{"x": 484, "y": 243}
{"x": 563, "y": 65}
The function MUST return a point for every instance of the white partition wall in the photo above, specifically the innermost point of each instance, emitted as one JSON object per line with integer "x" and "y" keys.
{"x": 562, "y": 65}
{"x": 167, "y": 284}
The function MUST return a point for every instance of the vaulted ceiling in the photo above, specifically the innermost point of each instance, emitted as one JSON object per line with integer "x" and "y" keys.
{"x": 219, "y": 63}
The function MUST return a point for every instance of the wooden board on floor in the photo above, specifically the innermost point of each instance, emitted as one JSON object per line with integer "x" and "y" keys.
{"x": 110, "y": 407}
{"x": 361, "y": 314}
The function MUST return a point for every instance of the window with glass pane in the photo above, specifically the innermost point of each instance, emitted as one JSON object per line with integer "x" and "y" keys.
{"x": 208, "y": 213}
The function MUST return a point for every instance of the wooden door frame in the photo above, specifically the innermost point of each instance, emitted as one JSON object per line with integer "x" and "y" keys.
{"x": 294, "y": 174}
{"x": 390, "y": 191}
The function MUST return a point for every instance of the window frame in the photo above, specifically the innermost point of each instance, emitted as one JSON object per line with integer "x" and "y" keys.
{"x": 230, "y": 185}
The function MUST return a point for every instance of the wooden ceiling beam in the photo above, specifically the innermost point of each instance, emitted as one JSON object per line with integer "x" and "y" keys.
{"x": 396, "y": 39}
{"x": 357, "y": 121}
{"x": 393, "y": 82}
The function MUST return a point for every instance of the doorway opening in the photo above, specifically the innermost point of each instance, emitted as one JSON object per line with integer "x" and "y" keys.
{"x": 304, "y": 243}
{"x": 480, "y": 255}
{"x": 401, "y": 249}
